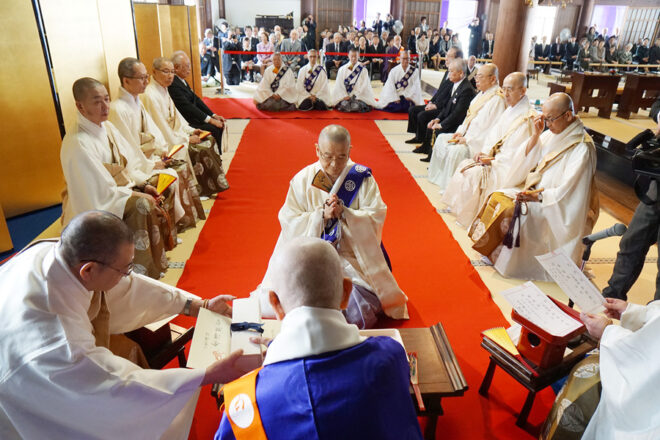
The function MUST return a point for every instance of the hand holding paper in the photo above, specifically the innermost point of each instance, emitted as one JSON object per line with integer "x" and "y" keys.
{"x": 224, "y": 370}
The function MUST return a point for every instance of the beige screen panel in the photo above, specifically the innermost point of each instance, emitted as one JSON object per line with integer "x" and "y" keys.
{"x": 194, "y": 39}
{"x": 148, "y": 32}
{"x": 118, "y": 35}
{"x": 30, "y": 148}
{"x": 165, "y": 23}
{"x": 76, "y": 47}
{"x": 181, "y": 40}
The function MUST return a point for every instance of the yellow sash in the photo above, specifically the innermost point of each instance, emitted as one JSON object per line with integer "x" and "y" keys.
{"x": 117, "y": 168}
{"x": 524, "y": 118}
{"x": 146, "y": 139}
{"x": 241, "y": 407}
{"x": 477, "y": 104}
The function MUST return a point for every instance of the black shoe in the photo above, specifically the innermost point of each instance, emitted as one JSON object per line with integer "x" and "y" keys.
{"x": 413, "y": 141}
{"x": 427, "y": 158}
{"x": 422, "y": 149}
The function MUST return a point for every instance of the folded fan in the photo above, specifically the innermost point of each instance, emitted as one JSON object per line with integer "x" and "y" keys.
{"x": 499, "y": 336}
{"x": 204, "y": 134}
{"x": 164, "y": 182}
{"x": 175, "y": 149}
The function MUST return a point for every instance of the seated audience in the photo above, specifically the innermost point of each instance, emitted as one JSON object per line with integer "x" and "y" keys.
{"x": 449, "y": 148}
{"x": 391, "y": 61}
{"x": 477, "y": 177}
{"x": 352, "y": 91}
{"x": 488, "y": 46}
{"x": 352, "y": 220}
{"x": 248, "y": 61}
{"x": 277, "y": 89}
{"x": 207, "y": 164}
{"x": 560, "y": 195}
{"x": 642, "y": 54}
{"x": 213, "y": 60}
{"x": 375, "y": 47}
{"x": 570, "y": 54}
{"x": 402, "y": 89}
{"x": 63, "y": 306}
{"x": 334, "y": 62}
{"x": 292, "y": 44}
{"x": 312, "y": 85}
{"x": 316, "y": 347}
{"x": 266, "y": 45}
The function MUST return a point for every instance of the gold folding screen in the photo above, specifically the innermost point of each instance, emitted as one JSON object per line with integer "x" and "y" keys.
{"x": 31, "y": 176}
{"x": 164, "y": 29}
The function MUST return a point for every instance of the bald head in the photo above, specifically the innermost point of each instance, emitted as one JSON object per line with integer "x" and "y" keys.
{"x": 83, "y": 85}
{"x": 94, "y": 236}
{"x": 335, "y": 134}
{"x": 161, "y": 63}
{"x": 514, "y": 87}
{"x": 486, "y": 77}
{"x": 560, "y": 103}
{"x": 516, "y": 79}
{"x": 307, "y": 272}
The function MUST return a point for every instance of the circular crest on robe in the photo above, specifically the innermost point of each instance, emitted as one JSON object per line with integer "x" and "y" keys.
{"x": 141, "y": 240}
{"x": 360, "y": 168}
{"x": 349, "y": 185}
{"x": 241, "y": 410}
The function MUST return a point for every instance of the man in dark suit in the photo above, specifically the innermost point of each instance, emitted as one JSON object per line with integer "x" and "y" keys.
{"x": 557, "y": 50}
{"x": 488, "y": 46}
{"x": 474, "y": 46}
{"x": 188, "y": 103}
{"x": 249, "y": 34}
{"x": 335, "y": 61}
{"x": 654, "y": 54}
{"x": 453, "y": 111}
{"x": 642, "y": 54}
{"x": 419, "y": 116}
{"x": 377, "y": 26}
{"x": 570, "y": 54}
{"x": 542, "y": 53}
{"x": 375, "y": 46}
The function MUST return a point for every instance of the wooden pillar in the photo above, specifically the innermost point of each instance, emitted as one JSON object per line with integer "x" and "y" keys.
{"x": 308, "y": 7}
{"x": 398, "y": 10}
{"x": 510, "y": 53}
{"x": 584, "y": 22}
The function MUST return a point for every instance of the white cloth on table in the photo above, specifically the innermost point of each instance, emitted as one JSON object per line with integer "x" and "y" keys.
{"x": 320, "y": 89}
{"x": 484, "y": 109}
{"x": 56, "y": 383}
{"x": 630, "y": 377}
{"x": 467, "y": 190}
{"x": 362, "y": 89}
{"x": 561, "y": 219}
{"x": 286, "y": 89}
{"x": 390, "y": 94}
{"x": 359, "y": 246}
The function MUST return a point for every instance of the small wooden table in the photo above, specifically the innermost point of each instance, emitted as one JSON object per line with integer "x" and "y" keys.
{"x": 640, "y": 91}
{"x": 439, "y": 373}
{"x": 514, "y": 368}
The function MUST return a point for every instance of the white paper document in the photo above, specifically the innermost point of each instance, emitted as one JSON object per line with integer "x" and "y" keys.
{"x": 536, "y": 307}
{"x": 572, "y": 281}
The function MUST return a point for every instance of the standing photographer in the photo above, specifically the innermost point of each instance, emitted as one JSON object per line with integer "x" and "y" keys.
{"x": 644, "y": 228}
{"x": 231, "y": 62}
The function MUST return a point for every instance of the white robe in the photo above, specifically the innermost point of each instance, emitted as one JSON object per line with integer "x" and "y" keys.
{"x": 89, "y": 184}
{"x": 55, "y": 383}
{"x": 629, "y": 408}
{"x": 320, "y": 89}
{"x": 158, "y": 103}
{"x": 361, "y": 91}
{"x": 126, "y": 114}
{"x": 468, "y": 189}
{"x": 562, "y": 218}
{"x": 485, "y": 107}
{"x": 361, "y": 234}
{"x": 391, "y": 94}
{"x": 286, "y": 89}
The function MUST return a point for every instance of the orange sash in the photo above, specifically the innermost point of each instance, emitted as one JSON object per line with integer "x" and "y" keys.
{"x": 241, "y": 407}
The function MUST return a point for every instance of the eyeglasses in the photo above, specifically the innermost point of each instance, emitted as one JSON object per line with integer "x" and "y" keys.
{"x": 329, "y": 158}
{"x": 549, "y": 121}
{"x": 124, "y": 273}
{"x": 167, "y": 72}
{"x": 141, "y": 78}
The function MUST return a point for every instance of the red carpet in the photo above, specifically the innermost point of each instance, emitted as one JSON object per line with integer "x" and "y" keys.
{"x": 233, "y": 249}
{"x": 244, "y": 108}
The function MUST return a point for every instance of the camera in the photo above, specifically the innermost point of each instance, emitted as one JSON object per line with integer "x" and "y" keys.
{"x": 646, "y": 165}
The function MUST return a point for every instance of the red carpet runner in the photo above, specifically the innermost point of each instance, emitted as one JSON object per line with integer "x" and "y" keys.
{"x": 244, "y": 108}
{"x": 233, "y": 249}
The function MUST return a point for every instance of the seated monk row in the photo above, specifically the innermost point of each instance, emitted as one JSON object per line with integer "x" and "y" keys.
{"x": 279, "y": 90}
{"x": 114, "y": 157}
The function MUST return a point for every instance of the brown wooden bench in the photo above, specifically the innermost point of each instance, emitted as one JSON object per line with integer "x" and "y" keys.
{"x": 640, "y": 91}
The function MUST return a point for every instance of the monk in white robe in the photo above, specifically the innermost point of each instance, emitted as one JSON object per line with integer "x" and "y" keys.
{"x": 277, "y": 89}
{"x": 402, "y": 88}
{"x": 315, "y": 207}
{"x": 128, "y": 115}
{"x": 312, "y": 85}
{"x": 452, "y": 148}
{"x": 560, "y": 194}
{"x": 61, "y": 304}
{"x": 206, "y": 162}
{"x": 103, "y": 172}
{"x": 352, "y": 91}
{"x": 629, "y": 372}
{"x": 476, "y": 178}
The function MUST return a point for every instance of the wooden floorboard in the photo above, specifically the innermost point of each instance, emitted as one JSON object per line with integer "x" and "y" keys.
{"x": 616, "y": 198}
